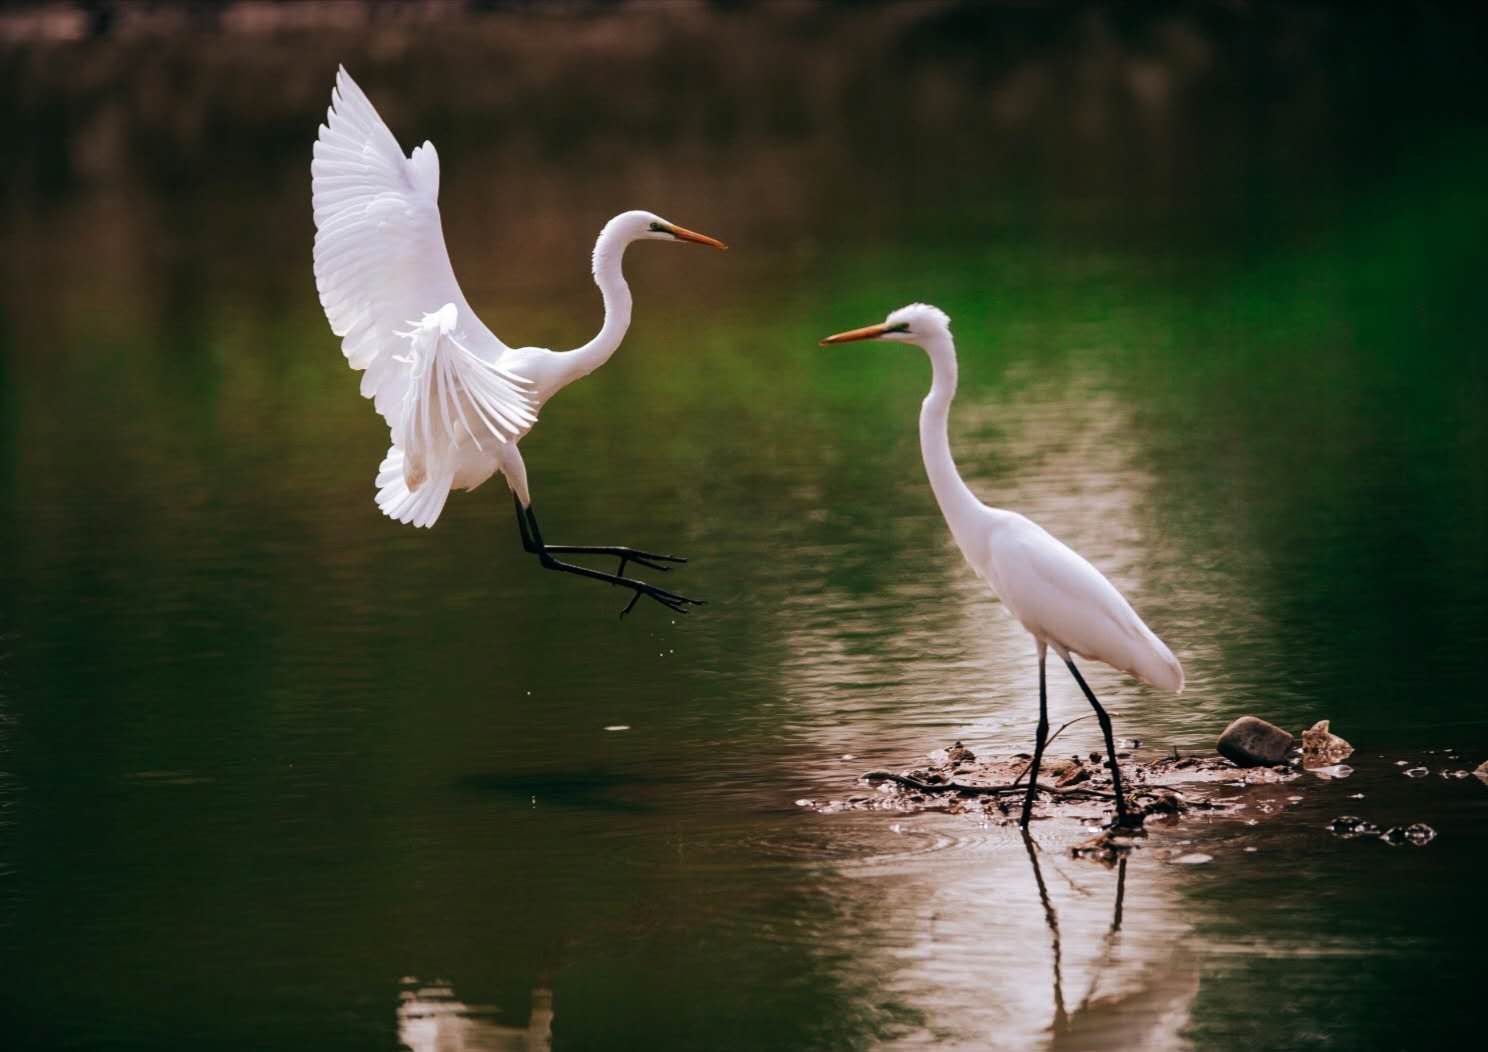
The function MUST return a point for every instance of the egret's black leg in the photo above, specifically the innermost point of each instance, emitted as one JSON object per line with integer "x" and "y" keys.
{"x": 532, "y": 541}
{"x": 528, "y": 545}
{"x": 1105, "y": 723}
{"x": 1038, "y": 746}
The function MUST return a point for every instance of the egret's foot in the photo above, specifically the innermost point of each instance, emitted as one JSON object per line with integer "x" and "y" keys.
{"x": 626, "y": 555}
{"x": 532, "y": 541}
{"x": 670, "y": 600}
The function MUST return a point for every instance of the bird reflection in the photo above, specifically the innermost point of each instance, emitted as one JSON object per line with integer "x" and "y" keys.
{"x": 1052, "y": 920}
{"x": 432, "y": 1019}
{"x": 1150, "y": 1016}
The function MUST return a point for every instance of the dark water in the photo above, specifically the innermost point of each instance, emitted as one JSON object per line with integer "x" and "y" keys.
{"x": 278, "y": 773}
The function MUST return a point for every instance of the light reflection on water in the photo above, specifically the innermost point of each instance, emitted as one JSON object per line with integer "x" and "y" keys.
{"x": 1001, "y": 946}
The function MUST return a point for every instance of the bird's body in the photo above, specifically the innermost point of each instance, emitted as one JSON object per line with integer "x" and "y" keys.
{"x": 456, "y": 398}
{"x": 1066, "y": 603}
{"x": 1063, "y": 601}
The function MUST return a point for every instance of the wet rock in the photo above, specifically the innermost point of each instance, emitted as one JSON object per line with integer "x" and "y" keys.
{"x": 1350, "y": 826}
{"x": 1322, "y": 748}
{"x": 1417, "y": 834}
{"x": 1252, "y": 742}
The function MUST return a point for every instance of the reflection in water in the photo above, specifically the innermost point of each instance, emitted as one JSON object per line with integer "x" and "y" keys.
{"x": 989, "y": 942}
{"x": 1052, "y": 919}
{"x": 432, "y": 1019}
{"x": 1148, "y": 1011}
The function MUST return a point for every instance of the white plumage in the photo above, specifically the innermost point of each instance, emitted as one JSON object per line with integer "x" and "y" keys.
{"x": 455, "y": 397}
{"x": 431, "y": 368}
{"x": 1062, "y": 600}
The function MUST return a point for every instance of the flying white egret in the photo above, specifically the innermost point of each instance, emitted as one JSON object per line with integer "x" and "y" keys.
{"x": 457, "y": 400}
{"x": 1062, "y": 600}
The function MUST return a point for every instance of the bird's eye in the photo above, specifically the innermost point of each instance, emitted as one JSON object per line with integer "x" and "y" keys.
{"x": 657, "y": 228}
{"x": 903, "y": 326}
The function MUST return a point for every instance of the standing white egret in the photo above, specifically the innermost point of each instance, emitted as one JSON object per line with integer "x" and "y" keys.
{"x": 456, "y": 398}
{"x": 1062, "y": 600}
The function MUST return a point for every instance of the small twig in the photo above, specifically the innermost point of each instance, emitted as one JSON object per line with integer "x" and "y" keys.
{"x": 1049, "y": 740}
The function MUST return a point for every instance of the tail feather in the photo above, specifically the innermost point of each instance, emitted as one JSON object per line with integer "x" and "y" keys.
{"x": 419, "y": 507}
{"x": 1159, "y": 667}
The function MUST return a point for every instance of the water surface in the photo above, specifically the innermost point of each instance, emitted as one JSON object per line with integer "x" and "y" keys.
{"x": 276, "y": 772}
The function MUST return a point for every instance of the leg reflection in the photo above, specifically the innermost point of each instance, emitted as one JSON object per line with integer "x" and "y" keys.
{"x": 1108, "y": 947}
{"x": 1050, "y": 918}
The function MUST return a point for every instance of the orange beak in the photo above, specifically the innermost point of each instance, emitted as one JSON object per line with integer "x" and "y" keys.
{"x": 681, "y": 233}
{"x": 867, "y": 332}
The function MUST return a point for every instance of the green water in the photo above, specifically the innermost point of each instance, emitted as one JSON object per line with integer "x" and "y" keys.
{"x": 278, "y": 773}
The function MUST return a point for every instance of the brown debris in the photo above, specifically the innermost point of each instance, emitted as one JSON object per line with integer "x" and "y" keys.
{"x": 1321, "y": 748}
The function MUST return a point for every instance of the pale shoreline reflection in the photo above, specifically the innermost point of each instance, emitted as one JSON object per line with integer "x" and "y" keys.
{"x": 432, "y": 1019}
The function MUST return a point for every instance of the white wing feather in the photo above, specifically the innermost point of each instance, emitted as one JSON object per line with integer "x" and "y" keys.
{"x": 388, "y": 289}
{"x": 1061, "y": 598}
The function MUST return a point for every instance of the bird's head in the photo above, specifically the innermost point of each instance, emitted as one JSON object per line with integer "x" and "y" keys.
{"x": 913, "y": 324}
{"x": 641, "y": 226}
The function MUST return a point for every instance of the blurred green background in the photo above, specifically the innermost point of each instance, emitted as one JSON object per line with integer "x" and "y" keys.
{"x": 277, "y": 772}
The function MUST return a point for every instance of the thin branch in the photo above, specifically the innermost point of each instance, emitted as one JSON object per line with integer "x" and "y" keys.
{"x": 1050, "y": 740}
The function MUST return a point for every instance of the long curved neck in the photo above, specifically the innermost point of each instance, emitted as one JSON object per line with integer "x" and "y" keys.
{"x": 609, "y": 252}
{"x": 957, "y": 503}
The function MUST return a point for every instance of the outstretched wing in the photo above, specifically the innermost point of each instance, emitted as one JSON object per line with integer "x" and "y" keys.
{"x": 380, "y": 262}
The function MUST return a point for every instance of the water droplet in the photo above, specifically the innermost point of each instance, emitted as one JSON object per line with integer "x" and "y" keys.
{"x": 1417, "y": 834}
{"x": 1401, "y": 763}
{"x": 618, "y": 727}
{"x": 1356, "y": 796}
{"x": 1417, "y": 772}
{"x": 1249, "y": 849}
{"x": 803, "y": 802}
{"x": 1193, "y": 858}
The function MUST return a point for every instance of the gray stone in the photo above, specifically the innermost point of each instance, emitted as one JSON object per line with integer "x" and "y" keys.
{"x": 1252, "y": 742}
